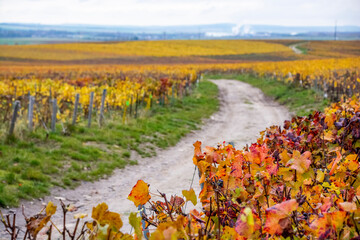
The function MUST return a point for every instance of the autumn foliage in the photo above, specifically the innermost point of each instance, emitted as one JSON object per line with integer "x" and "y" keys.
{"x": 298, "y": 181}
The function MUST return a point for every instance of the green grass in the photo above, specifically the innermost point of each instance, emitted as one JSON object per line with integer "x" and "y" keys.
{"x": 33, "y": 163}
{"x": 298, "y": 100}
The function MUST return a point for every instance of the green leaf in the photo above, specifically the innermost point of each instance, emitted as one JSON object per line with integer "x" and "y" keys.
{"x": 135, "y": 222}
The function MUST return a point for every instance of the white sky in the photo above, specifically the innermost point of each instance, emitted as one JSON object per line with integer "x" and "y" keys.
{"x": 182, "y": 12}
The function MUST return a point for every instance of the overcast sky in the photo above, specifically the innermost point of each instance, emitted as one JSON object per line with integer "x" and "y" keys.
{"x": 182, "y": 12}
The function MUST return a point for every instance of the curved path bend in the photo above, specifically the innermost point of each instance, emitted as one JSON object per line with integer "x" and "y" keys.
{"x": 244, "y": 112}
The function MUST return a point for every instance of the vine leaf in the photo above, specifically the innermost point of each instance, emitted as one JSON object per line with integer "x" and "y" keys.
{"x": 247, "y": 223}
{"x": 190, "y": 196}
{"x": 135, "y": 222}
{"x": 348, "y": 206}
{"x": 139, "y": 194}
{"x": 103, "y": 216}
{"x": 300, "y": 162}
{"x": 35, "y": 223}
{"x": 277, "y": 216}
{"x": 50, "y": 209}
{"x": 335, "y": 162}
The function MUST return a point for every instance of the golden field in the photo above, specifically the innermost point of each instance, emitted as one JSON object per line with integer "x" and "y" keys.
{"x": 172, "y": 48}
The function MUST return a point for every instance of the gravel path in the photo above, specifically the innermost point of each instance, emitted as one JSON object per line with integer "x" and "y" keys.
{"x": 295, "y": 48}
{"x": 244, "y": 112}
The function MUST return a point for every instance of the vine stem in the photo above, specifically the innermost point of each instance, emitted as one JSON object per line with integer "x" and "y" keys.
{"x": 356, "y": 228}
{"x": 207, "y": 222}
{"x": 218, "y": 213}
{"x": 167, "y": 204}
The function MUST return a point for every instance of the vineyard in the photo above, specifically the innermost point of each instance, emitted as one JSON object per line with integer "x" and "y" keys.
{"x": 298, "y": 181}
{"x": 70, "y": 120}
{"x": 78, "y": 51}
{"x": 121, "y": 91}
{"x": 128, "y": 87}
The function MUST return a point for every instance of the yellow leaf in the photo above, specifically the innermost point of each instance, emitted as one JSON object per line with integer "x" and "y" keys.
{"x": 50, "y": 209}
{"x": 99, "y": 210}
{"x": 287, "y": 173}
{"x": 284, "y": 156}
{"x": 104, "y": 216}
{"x": 320, "y": 175}
{"x": 190, "y": 196}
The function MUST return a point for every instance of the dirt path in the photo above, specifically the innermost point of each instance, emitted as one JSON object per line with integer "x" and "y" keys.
{"x": 295, "y": 48}
{"x": 244, "y": 112}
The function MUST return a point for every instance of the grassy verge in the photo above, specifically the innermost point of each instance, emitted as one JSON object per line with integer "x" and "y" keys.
{"x": 31, "y": 164}
{"x": 298, "y": 100}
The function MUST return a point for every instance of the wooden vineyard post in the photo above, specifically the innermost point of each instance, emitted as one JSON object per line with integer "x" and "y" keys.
{"x": 172, "y": 95}
{"x": 145, "y": 230}
{"x": 160, "y": 98}
{"x": 77, "y": 97}
{"x": 180, "y": 92}
{"x": 53, "y": 115}
{"x": 31, "y": 112}
{"x": 14, "y": 116}
{"x": 143, "y": 100}
{"x": 101, "y": 119}
{"x": 131, "y": 104}
{"x": 136, "y": 105}
{"x": 90, "y": 108}
{"x": 15, "y": 93}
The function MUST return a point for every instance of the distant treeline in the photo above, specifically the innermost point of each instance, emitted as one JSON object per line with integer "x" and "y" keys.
{"x": 84, "y": 33}
{"x": 96, "y": 36}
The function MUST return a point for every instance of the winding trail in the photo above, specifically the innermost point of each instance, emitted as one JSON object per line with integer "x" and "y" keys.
{"x": 244, "y": 112}
{"x": 295, "y": 48}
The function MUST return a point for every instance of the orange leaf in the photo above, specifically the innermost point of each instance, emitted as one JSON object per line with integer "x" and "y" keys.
{"x": 276, "y": 216}
{"x": 335, "y": 162}
{"x": 301, "y": 163}
{"x": 197, "y": 152}
{"x": 140, "y": 193}
{"x": 236, "y": 167}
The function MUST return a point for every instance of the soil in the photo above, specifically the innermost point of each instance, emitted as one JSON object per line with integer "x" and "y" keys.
{"x": 244, "y": 112}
